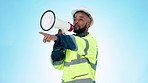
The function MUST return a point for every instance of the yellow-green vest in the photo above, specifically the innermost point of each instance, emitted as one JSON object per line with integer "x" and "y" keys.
{"x": 79, "y": 64}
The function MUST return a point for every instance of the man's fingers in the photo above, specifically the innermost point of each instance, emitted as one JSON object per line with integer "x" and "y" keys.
{"x": 48, "y": 37}
{"x": 45, "y": 38}
{"x": 42, "y": 33}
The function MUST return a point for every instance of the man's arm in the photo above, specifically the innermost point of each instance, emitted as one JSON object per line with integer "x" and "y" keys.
{"x": 64, "y": 41}
{"x": 58, "y": 53}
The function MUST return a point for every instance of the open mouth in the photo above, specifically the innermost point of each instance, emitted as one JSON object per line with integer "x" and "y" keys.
{"x": 76, "y": 27}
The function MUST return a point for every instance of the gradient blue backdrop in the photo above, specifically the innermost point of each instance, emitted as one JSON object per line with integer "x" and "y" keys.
{"x": 120, "y": 27}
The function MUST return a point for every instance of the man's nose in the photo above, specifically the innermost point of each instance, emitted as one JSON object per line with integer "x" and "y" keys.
{"x": 76, "y": 21}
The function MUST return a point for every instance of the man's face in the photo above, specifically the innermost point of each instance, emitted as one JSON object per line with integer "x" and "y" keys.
{"x": 81, "y": 22}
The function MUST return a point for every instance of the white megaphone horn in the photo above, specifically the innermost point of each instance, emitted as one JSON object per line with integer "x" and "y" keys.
{"x": 49, "y": 20}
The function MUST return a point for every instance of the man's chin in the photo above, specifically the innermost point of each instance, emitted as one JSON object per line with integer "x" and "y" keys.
{"x": 78, "y": 30}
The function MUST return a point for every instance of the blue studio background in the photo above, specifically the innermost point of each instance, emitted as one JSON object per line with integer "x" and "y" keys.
{"x": 120, "y": 27}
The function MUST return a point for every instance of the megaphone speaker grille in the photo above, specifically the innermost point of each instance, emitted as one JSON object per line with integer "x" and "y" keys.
{"x": 47, "y": 20}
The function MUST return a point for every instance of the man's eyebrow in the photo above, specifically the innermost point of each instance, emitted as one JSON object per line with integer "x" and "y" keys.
{"x": 82, "y": 17}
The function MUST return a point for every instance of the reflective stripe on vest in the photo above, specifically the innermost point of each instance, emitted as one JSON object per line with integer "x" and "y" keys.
{"x": 57, "y": 62}
{"x": 82, "y": 60}
{"x": 87, "y": 46}
{"x": 76, "y": 61}
{"x": 73, "y": 38}
{"x": 86, "y": 80}
{"x": 85, "y": 51}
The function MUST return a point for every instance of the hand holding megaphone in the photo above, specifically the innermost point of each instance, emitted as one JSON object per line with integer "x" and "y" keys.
{"x": 49, "y": 20}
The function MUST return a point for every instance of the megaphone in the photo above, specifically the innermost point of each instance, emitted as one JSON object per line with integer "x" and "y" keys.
{"x": 48, "y": 21}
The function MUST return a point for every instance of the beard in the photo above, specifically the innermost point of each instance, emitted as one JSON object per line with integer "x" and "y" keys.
{"x": 78, "y": 31}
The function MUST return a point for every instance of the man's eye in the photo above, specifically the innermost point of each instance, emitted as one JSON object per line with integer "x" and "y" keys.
{"x": 74, "y": 19}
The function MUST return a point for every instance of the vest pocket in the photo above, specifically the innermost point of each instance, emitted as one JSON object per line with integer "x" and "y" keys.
{"x": 78, "y": 76}
{"x": 79, "y": 71}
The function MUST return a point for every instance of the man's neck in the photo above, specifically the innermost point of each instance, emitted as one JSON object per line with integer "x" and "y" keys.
{"x": 82, "y": 34}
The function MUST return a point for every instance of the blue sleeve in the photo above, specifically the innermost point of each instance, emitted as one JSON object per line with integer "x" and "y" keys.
{"x": 58, "y": 53}
{"x": 64, "y": 42}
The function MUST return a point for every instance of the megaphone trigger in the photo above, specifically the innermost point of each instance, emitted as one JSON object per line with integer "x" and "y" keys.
{"x": 71, "y": 27}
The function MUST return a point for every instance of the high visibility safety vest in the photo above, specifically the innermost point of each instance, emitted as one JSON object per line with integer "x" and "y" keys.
{"x": 79, "y": 65}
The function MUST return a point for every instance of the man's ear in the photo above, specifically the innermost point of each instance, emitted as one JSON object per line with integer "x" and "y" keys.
{"x": 88, "y": 25}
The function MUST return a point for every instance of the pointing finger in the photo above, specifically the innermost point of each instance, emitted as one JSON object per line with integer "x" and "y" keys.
{"x": 42, "y": 33}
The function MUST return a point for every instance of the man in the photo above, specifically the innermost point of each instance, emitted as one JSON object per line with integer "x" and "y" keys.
{"x": 75, "y": 54}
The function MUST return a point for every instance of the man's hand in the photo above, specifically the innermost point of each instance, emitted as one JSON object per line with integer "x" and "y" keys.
{"x": 48, "y": 37}
{"x": 60, "y": 31}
